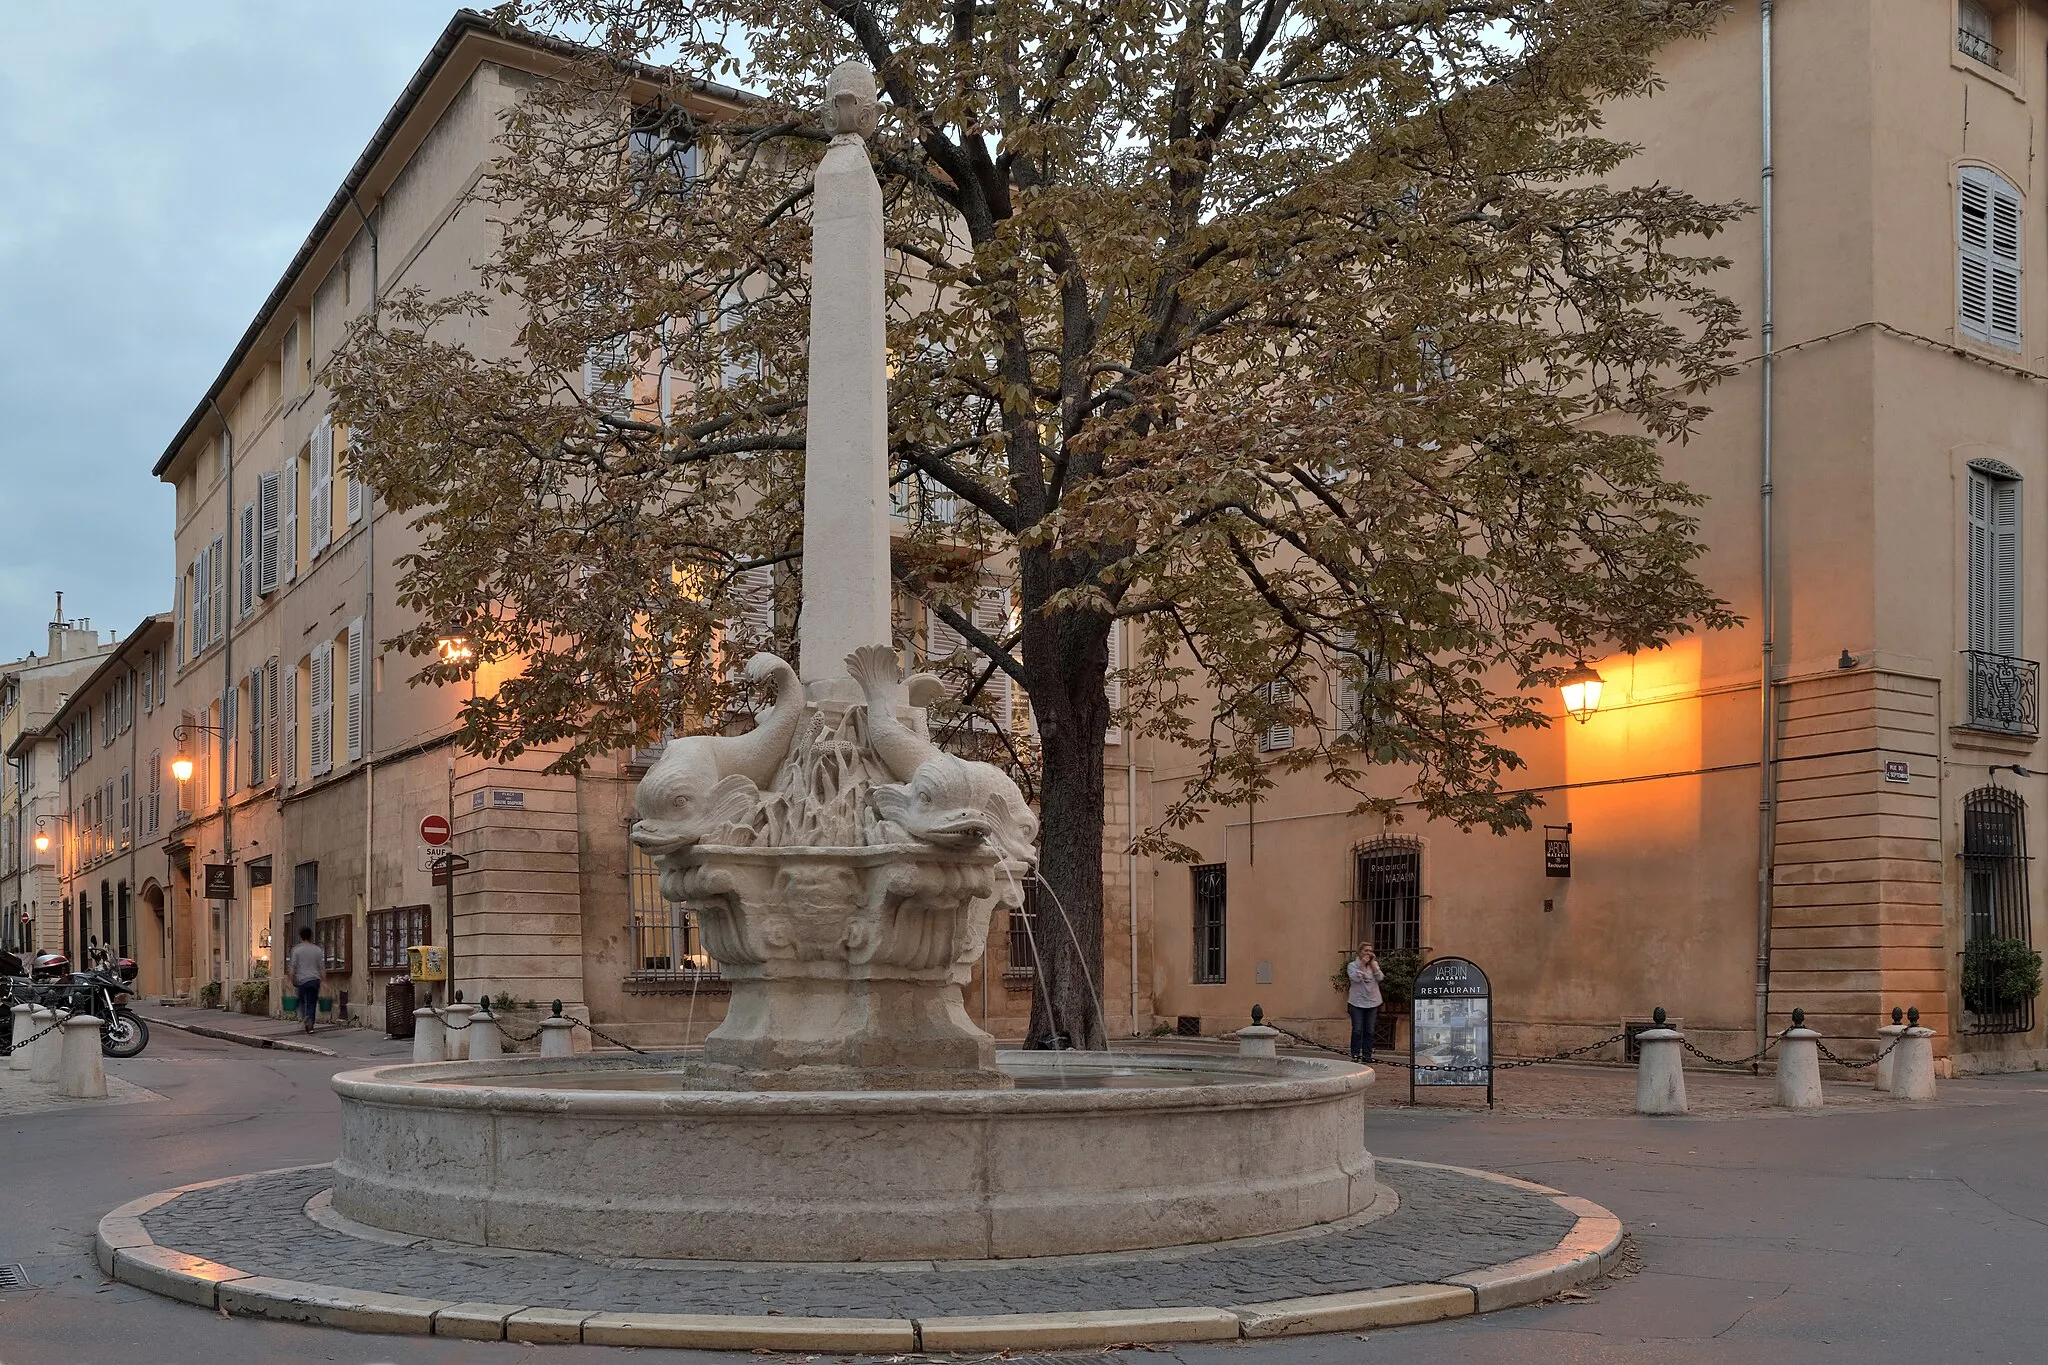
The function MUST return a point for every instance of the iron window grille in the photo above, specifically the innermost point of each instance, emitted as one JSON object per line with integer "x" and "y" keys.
{"x": 2003, "y": 693}
{"x": 668, "y": 942}
{"x": 1023, "y": 956}
{"x": 1211, "y": 893}
{"x": 1978, "y": 48}
{"x": 1995, "y": 901}
{"x": 1388, "y": 906}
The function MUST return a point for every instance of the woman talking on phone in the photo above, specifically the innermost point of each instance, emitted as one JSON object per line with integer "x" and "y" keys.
{"x": 1363, "y": 1000}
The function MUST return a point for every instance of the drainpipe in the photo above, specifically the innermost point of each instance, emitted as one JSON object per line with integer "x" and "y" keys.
{"x": 369, "y": 648}
{"x": 1767, "y": 804}
{"x": 227, "y": 671}
{"x": 1131, "y": 855}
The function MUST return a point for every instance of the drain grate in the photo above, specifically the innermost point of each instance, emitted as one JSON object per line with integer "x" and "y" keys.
{"x": 13, "y": 1277}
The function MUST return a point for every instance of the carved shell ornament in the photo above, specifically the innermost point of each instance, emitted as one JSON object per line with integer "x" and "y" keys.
{"x": 850, "y": 104}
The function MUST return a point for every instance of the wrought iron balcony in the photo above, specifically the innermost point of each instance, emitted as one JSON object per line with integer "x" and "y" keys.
{"x": 2004, "y": 693}
{"x": 1979, "y": 49}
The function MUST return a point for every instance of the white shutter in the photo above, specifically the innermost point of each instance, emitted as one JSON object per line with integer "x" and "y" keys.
{"x": 1281, "y": 734}
{"x": 613, "y": 397}
{"x": 941, "y": 641}
{"x": 358, "y": 495}
{"x": 217, "y": 589}
{"x": 290, "y": 736}
{"x": 754, "y": 596}
{"x": 1113, "y": 686}
{"x": 992, "y": 618}
{"x": 320, "y": 711}
{"x": 270, "y": 685}
{"x": 245, "y": 567}
{"x": 320, "y": 502}
{"x": 156, "y": 789}
{"x": 355, "y": 690}
{"x": 258, "y": 738}
{"x": 178, "y": 608}
{"x": 2005, "y": 567}
{"x": 1988, "y": 257}
{"x": 266, "y": 534}
{"x": 288, "y": 522}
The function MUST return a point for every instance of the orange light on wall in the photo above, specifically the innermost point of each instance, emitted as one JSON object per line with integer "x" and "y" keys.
{"x": 1581, "y": 688}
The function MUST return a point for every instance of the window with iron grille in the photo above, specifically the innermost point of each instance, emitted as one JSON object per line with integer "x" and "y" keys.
{"x": 335, "y": 937}
{"x": 1388, "y": 907}
{"x": 667, "y": 945}
{"x": 1995, "y": 908}
{"x": 1023, "y": 956}
{"x": 1210, "y": 907}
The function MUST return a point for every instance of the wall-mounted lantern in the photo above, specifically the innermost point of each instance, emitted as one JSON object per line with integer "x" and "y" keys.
{"x": 1581, "y": 688}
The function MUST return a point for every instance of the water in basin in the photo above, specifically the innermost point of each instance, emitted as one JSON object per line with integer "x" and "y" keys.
{"x": 677, "y": 1080}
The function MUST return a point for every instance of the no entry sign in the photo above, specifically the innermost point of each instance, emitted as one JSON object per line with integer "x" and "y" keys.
{"x": 434, "y": 830}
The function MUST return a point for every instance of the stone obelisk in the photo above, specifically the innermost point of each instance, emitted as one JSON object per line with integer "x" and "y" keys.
{"x": 846, "y": 469}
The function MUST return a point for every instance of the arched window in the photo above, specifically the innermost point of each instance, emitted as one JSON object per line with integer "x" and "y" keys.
{"x": 1995, "y": 910}
{"x": 1388, "y": 905}
{"x": 1988, "y": 257}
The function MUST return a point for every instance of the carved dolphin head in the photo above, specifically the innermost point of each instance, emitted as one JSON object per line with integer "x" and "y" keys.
{"x": 944, "y": 803}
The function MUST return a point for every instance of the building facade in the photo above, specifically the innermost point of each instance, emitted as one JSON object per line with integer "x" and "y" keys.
{"x": 1829, "y": 807}
{"x": 32, "y": 689}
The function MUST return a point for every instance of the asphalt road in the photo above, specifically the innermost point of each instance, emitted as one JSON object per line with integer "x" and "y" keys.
{"x": 1912, "y": 1236}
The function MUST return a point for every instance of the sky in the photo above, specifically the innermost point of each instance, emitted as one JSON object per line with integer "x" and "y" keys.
{"x": 160, "y": 162}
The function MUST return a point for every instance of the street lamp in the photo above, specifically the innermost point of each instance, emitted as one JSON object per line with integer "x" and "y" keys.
{"x": 455, "y": 648}
{"x": 181, "y": 765}
{"x": 42, "y": 839}
{"x": 1581, "y": 688}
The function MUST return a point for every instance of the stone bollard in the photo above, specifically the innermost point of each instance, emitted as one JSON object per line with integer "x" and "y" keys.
{"x": 47, "y": 1050}
{"x": 80, "y": 1073}
{"x": 486, "y": 1044}
{"x": 557, "y": 1035}
{"x": 1913, "y": 1063}
{"x": 1887, "y": 1052}
{"x": 1258, "y": 1040}
{"x": 455, "y": 1032}
{"x": 426, "y": 1035}
{"x": 1660, "y": 1068}
{"x": 23, "y": 1055}
{"x": 1798, "y": 1066}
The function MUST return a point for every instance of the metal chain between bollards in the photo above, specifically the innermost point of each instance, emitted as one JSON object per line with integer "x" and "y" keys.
{"x": 1858, "y": 1066}
{"x": 503, "y": 1031}
{"x": 9, "y": 1049}
{"x": 1564, "y": 1056}
{"x": 1756, "y": 1056}
{"x": 597, "y": 1032}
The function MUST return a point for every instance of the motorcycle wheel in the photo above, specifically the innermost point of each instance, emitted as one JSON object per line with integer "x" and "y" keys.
{"x": 124, "y": 1035}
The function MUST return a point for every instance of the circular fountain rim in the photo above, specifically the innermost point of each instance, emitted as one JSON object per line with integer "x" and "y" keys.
{"x": 1267, "y": 1082}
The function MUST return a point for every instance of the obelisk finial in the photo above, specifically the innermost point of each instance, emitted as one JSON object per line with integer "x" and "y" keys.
{"x": 846, "y": 425}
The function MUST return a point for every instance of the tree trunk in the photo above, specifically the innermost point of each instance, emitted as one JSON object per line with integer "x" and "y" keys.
{"x": 1066, "y": 656}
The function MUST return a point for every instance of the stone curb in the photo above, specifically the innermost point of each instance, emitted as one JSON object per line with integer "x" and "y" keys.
{"x": 125, "y": 1250}
{"x": 228, "y": 1035}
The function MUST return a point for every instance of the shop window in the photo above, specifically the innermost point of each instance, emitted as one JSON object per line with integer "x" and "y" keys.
{"x": 1211, "y": 906}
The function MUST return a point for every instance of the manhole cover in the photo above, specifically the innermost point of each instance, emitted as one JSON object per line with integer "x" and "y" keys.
{"x": 13, "y": 1277}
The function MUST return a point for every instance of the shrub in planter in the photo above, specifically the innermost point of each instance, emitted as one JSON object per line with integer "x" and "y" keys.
{"x": 209, "y": 994}
{"x": 1399, "y": 986}
{"x": 253, "y": 997}
{"x": 1999, "y": 974}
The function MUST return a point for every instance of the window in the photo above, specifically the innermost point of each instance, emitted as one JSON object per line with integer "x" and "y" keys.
{"x": 268, "y": 490}
{"x": 334, "y": 937}
{"x": 245, "y": 566}
{"x": 1988, "y": 258}
{"x": 1975, "y": 30}
{"x": 320, "y": 500}
{"x": 216, "y": 589}
{"x": 320, "y": 710}
{"x": 305, "y": 898}
{"x": 667, "y": 943}
{"x": 608, "y": 375}
{"x": 288, "y": 515}
{"x": 2002, "y": 688}
{"x": 1210, "y": 905}
{"x": 127, "y": 785}
{"x": 1388, "y": 907}
{"x": 156, "y": 791}
{"x": 1279, "y": 735}
{"x": 258, "y": 743}
{"x": 353, "y": 719}
{"x": 1023, "y": 956}
{"x": 1995, "y": 909}
{"x": 391, "y": 932}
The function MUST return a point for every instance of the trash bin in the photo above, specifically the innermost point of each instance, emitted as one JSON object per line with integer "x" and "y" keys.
{"x": 398, "y": 1007}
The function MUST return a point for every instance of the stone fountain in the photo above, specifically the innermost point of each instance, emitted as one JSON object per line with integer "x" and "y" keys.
{"x": 845, "y": 871}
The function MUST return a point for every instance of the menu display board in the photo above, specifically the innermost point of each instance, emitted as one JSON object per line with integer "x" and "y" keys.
{"x": 1451, "y": 1027}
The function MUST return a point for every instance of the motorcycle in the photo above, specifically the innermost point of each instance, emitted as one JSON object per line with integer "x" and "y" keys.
{"x": 123, "y": 1032}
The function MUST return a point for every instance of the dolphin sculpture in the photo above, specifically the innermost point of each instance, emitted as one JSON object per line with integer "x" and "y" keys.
{"x": 703, "y": 783}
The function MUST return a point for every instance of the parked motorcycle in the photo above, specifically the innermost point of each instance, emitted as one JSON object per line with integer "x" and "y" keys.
{"x": 123, "y": 1032}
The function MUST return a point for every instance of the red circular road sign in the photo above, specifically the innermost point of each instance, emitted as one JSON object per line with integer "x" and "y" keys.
{"x": 434, "y": 830}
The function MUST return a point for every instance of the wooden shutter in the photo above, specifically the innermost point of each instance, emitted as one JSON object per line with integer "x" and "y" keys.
{"x": 289, "y": 739}
{"x": 156, "y": 789}
{"x": 245, "y": 567}
{"x": 127, "y": 796}
{"x": 1988, "y": 257}
{"x": 288, "y": 521}
{"x": 320, "y": 502}
{"x": 217, "y": 589}
{"x": 992, "y": 618}
{"x": 355, "y": 690}
{"x": 611, "y": 396}
{"x": 178, "y": 608}
{"x": 2005, "y": 567}
{"x": 358, "y": 495}
{"x": 1280, "y": 735}
{"x": 270, "y": 684}
{"x": 266, "y": 534}
{"x": 258, "y": 738}
{"x": 1113, "y": 686}
{"x": 320, "y": 711}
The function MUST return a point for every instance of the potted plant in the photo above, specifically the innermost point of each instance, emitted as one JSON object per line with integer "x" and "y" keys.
{"x": 253, "y": 997}
{"x": 1999, "y": 974}
{"x": 209, "y": 995}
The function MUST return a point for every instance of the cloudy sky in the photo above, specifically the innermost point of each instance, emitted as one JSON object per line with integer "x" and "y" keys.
{"x": 159, "y": 164}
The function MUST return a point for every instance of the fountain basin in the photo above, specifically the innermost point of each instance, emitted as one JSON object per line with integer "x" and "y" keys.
{"x": 543, "y": 1154}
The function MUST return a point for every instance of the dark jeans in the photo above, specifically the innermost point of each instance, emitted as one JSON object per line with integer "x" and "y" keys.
{"x": 309, "y": 1002}
{"x": 1364, "y": 1019}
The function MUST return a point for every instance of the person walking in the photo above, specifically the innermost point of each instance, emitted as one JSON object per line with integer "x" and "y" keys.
{"x": 1363, "y": 1001}
{"x": 307, "y": 964}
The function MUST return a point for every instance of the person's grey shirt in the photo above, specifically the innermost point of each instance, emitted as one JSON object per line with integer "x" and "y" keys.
{"x": 1365, "y": 985}
{"x": 307, "y": 963}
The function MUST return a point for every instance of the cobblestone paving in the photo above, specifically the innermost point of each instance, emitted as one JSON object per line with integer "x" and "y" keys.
{"x": 1448, "y": 1223}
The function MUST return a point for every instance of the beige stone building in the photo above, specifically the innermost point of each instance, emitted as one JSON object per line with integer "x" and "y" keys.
{"x": 1902, "y": 347}
{"x": 314, "y": 761}
{"x": 32, "y": 689}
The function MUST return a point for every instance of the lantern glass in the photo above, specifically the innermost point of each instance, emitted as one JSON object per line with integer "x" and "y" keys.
{"x": 42, "y": 842}
{"x": 181, "y": 768}
{"x": 1581, "y": 689}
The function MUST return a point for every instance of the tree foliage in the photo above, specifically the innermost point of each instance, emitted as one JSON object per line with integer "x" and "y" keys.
{"x": 1312, "y": 335}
